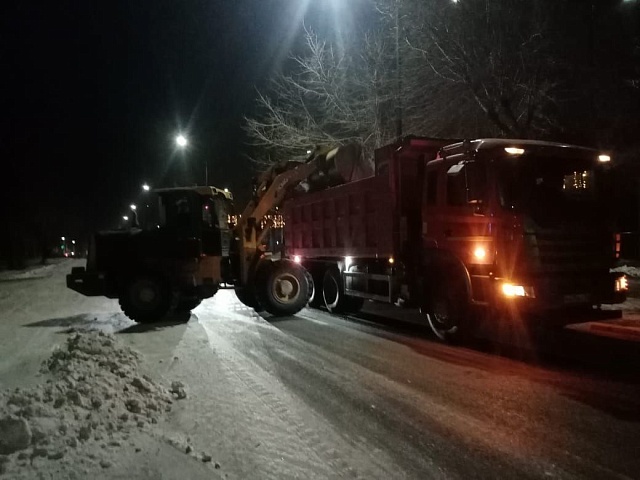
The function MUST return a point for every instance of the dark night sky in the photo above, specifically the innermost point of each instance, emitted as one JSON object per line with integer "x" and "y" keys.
{"x": 94, "y": 92}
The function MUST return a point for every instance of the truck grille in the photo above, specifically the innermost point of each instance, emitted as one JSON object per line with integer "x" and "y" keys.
{"x": 569, "y": 250}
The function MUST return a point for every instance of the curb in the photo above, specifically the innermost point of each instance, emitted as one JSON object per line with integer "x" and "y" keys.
{"x": 632, "y": 332}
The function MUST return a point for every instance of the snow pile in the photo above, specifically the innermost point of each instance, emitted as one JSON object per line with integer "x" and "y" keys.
{"x": 94, "y": 402}
{"x": 628, "y": 270}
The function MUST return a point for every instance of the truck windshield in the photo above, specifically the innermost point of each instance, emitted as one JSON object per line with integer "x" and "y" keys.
{"x": 549, "y": 189}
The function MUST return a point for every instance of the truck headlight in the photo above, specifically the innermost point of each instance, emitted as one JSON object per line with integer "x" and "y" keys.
{"x": 511, "y": 290}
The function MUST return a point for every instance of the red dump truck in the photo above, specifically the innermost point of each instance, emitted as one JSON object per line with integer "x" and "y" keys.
{"x": 516, "y": 226}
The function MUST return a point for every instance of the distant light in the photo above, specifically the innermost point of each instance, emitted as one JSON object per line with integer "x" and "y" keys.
{"x": 514, "y": 150}
{"x": 146, "y": 187}
{"x": 392, "y": 260}
{"x": 125, "y": 218}
{"x": 604, "y": 158}
{"x": 181, "y": 140}
{"x": 226, "y": 190}
{"x": 309, "y": 152}
{"x": 73, "y": 242}
{"x": 132, "y": 206}
{"x": 73, "y": 253}
{"x": 62, "y": 238}
{"x": 297, "y": 258}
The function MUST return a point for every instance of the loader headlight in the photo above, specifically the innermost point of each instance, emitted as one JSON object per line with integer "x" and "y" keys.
{"x": 622, "y": 284}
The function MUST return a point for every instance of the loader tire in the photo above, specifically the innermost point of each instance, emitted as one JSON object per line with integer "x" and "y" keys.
{"x": 247, "y": 297}
{"x": 147, "y": 299}
{"x": 283, "y": 288}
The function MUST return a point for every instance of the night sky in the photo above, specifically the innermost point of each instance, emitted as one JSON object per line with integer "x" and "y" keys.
{"x": 93, "y": 94}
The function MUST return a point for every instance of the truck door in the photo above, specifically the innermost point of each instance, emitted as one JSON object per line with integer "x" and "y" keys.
{"x": 458, "y": 221}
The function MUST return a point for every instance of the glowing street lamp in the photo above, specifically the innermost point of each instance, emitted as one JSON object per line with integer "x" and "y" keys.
{"x": 125, "y": 218}
{"x": 132, "y": 207}
{"x": 62, "y": 238}
{"x": 181, "y": 141}
{"x": 146, "y": 187}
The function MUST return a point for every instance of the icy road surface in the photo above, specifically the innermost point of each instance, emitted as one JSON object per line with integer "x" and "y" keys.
{"x": 319, "y": 396}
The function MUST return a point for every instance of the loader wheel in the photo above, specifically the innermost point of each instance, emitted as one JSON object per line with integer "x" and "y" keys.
{"x": 146, "y": 299}
{"x": 333, "y": 294}
{"x": 283, "y": 288}
{"x": 188, "y": 304}
{"x": 248, "y": 298}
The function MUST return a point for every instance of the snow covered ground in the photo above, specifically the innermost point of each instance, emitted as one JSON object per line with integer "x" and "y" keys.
{"x": 40, "y": 271}
{"x": 86, "y": 393}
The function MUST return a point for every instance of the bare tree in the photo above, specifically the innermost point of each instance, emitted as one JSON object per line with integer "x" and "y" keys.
{"x": 497, "y": 57}
{"x": 329, "y": 96}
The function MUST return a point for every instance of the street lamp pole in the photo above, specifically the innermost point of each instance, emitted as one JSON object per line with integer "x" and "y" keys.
{"x": 398, "y": 74}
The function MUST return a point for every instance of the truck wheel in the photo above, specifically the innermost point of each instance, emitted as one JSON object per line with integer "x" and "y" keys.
{"x": 315, "y": 299}
{"x": 248, "y": 298}
{"x": 447, "y": 311}
{"x": 283, "y": 288}
{"x": 333, "y": 294}
{"x": 146, "y": 299}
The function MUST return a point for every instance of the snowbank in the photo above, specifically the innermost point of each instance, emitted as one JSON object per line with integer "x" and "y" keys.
{"x": 628, "y": 270}
{"x": 92, "y": 404}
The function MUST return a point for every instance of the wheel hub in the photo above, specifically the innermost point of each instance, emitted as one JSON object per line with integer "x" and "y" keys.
{"x": 286, "y": 288}
{"x": 147, "y": 295}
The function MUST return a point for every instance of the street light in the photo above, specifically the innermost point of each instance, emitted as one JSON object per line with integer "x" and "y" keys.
{"x": 73, "y": 242}
{"x": 146, "y": 187}
{"x": 132, "y": 207}
{"x": 62, "y": 238}
{"x": 125, "y": 218}
{"x": 181, "y": 141}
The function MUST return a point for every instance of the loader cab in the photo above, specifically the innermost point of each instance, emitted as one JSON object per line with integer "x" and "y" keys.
{"x": 198, "y": 214}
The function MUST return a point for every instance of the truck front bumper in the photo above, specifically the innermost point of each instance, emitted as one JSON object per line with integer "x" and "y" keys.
{"x": 90, "y": 284}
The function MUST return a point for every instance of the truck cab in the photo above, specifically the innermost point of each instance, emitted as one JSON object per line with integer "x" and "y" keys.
{"x": 530, "y": 221}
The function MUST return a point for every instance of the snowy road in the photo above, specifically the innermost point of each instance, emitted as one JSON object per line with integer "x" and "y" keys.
{"x": 318, "y": 396}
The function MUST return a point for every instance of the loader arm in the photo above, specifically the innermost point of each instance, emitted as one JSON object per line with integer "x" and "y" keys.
{"x": 273, "y": 185}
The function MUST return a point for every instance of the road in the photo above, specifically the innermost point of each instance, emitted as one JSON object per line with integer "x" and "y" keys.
{"x": 320, "y": 396}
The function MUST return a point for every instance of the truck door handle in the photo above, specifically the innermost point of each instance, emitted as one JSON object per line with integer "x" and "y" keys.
{"x": 448, "y": 232}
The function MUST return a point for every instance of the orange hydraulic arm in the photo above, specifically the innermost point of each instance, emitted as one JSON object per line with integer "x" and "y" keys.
{"x": 272, "y": 188}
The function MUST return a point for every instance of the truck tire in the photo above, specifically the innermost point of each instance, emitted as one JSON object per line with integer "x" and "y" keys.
{"x": 315, "y": 299}
{"x": 333, "y": 294}
{"x": 446, "y": 311}
{"x": 282, "y": 288}
{"x": 146, "y": 299}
